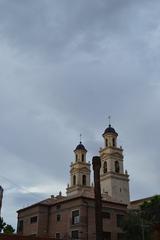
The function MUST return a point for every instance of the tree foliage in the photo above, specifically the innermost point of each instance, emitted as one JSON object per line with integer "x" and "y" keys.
{"x": 151, "y": 210}
{"x": 2, "y": 224}
{"x": 151, "y": 213}
{"x": 6, "y": 228}
{"x": 135, "y": 227}
{"x": 141, "y": 224}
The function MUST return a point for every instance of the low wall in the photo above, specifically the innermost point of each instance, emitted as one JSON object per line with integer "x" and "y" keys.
{"x": 18, "y": 237}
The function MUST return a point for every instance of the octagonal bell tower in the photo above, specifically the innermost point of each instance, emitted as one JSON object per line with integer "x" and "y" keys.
{"x": 114, "y": 181}
{"x": 79, "y": 172}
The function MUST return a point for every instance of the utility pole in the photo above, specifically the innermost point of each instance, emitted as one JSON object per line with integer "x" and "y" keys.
{"x": 1, "y": 196}
{"x": 142, "y": 225}
{"x": 96, "y": 162}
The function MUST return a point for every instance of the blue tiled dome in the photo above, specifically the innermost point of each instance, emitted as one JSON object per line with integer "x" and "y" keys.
{"x": 80, "y": 146}
{"x": 110, "y": 130}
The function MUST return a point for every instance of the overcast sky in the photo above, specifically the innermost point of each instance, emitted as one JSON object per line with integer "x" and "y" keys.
{"x": 64, "y": 67}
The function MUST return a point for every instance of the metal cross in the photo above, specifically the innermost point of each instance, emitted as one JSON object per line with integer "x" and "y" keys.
{"x": 80, "y": 137}
{"x": 109, "y": 118}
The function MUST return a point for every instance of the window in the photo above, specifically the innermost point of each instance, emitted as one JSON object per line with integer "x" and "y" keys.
{"x": 76, "y": 157}
{"x": 58, "y": 207}
{"x": 114, "y": 143}
{"x": 33, "y": 219}
{"x": 117, "y": 167}
{"x": 105, "y": 167}
{"x": 75, "y": 217}
{"x": 58, "y": 236}
{"x": 106, "y": 215}
{"x": 82, "y": 157}
{"x": 74, "y": 180}
{"x": 20, "y": 226}
{"x": 106, "y": 235}
{"x": 106, "y": 142}
{"x": 84, "y": 180}
{"x": 75, "y": 235}
{"x": 120, "y": 219}
{"x": 58, "y": 217}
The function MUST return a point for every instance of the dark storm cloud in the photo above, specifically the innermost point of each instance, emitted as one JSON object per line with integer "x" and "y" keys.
{"x": 53, "y": 27}
{"x": 65, "y": 66}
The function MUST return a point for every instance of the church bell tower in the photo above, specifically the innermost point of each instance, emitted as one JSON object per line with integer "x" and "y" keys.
{"x": 114, "y": 181}
{"x": 79, "y": 172}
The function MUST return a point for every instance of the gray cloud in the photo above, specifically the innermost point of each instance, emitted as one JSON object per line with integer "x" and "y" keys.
{"x": 64, "y": 67}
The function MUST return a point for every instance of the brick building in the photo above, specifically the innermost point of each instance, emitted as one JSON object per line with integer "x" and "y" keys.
{"x": 70, "y": 218}
{"x": 73, "y": 216}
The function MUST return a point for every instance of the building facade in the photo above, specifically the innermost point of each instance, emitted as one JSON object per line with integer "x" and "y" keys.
{"x": 70, "y": 218}
{"x": 73, "y": 216}
{"x": 1, "y": 197}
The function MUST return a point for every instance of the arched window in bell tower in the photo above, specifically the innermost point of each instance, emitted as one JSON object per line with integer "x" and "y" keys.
{"x": 74, "y": 180}
{"x": 113, "y": 141}
{"x": 105, "y": 167}
{"x": 84, "y": 180}
{"x": 76, "y": 157}
{"x": 106, "y": 142}
{"x": 117, "y": 167}
{"x": 82, "y": 157}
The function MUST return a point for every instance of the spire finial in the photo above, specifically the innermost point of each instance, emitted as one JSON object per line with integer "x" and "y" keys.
{"x": 109, "y": 120}
{"x": 80, "y": 137}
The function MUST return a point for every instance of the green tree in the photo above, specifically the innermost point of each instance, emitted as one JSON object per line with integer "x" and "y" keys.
{"x": 8, "y": 229}
{"x": 132, "y": 226}
{"x": 143, "y": 224}
{"x": 5, "y": 228}
{"x": 150, "y": 211}
{"x": 2, "y": 224}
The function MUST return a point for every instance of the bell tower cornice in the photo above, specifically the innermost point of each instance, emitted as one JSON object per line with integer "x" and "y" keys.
{"x": 111, "y": 150}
